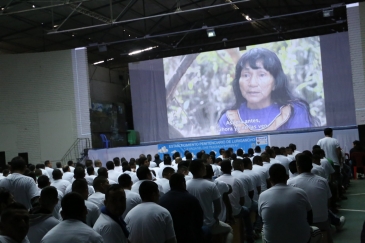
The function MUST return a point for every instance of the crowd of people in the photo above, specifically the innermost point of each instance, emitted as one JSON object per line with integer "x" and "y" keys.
{"x": 278, "y": 194}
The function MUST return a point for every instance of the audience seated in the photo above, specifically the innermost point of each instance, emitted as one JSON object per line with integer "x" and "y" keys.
{"x": 132, "y": 198}
{"x": 49, "y": 169}
{"x": 155, "y": 222}
{"x": 14, "y": 224}
{"x": 58, "y": 182}
{"x": 79, "y": 174}
{"x": 112, "y": 173}
{"x": 91, "y": 175}
{"x": 185, "y": 210}
{"x": 144, "y": 174}
{"x": 104, "y": 173}
{"x": 100, "y": 185}
{"x": 209, "y": 198}
{"x": 23, "y": 188}
{"x": 41, "y": 219}
{"x": 73, "y": 228}
{"x": 67, "y": 174}
{"x": 110, "y": 224}
{"x": 164, "y": 181}
{"x": 80, "y": 186}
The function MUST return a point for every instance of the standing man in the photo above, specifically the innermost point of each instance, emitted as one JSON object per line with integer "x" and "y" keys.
{"x": 332, "y": 150}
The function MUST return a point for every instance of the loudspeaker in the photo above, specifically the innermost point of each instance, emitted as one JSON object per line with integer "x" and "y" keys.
{"x": 2, "y": 160}
{"x": 25, "y": 157}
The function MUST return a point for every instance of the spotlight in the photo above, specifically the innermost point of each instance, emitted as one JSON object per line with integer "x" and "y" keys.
{"x": 327, "y": 13}
{"x": 210, "y": 32}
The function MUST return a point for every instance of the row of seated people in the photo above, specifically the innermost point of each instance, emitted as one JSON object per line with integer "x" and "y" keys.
{"x": 179, "y": 200}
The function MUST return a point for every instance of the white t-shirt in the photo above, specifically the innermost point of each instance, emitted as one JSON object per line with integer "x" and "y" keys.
{"x": 68, "y": 176}
{"x": 318, "y": 193}
{"x": 49, "y": 171}
{"x": 255, "y": 180}
{"x": 216, "y": 170}
{"x": 153, "y": 164}
{"x": 238, "y": 192}
{"x": 61, "y": 185}
{"x": 149, "y": 222}
{"x": 132, "y": 175}
{"x": 135, "y": 187}
{"x": 97, "y": 198}
{"x": 165, "y": 184}
{"x": 56, "y": 210}
{"x": 38, "y": 230}
{"x": 247, "y": 185}
{"x": 206, "y": 192}
{"x": 44, "y": 172}
{"x": 90, "y": 179}
{"x": 109, "y": 230}
{"x": 285, "y": 207}
{"x": 284, "y": 161}
{"x": 72, "y": 169}
{"x": 23, "y": 188}
{"x": 114, "y": 175}
{"x": 72, "y": 230}
{"x": 222, "y": 188}
{"x": 118, "y": 169}
{"x": 329, "y": 145}
{"x": 262, "y": 172}
{"x": 318, "y": 170}
{"x": 162, "y": 167}
{"x": 328, "y": 169}
{"x": 93, "y": 213}
{"x": 132, "y": 200}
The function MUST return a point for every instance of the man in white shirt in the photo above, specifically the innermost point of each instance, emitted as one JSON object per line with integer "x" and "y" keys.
{"x": 73, "y": 227}
{"x": 254, "y": 177}
{"x": 90, "y": 175}
{"x": 43, "y": 182}
{"x": 112, "y": 174}
{"x": 58, "y": 182}
{"x": 261, "y": 171}
{"x": 14, "y": 224}
{"x": 317, "y": 190}
{"x": 48, "y": 168}
{"x": 79, "y": 174}
{"x": 127, "y": 170}
{"x": 332, "y": 150}
{"x": 317, "y": 168}
{"x": 166, "y": 163}
{"x": 41, "y": 219}
{"x": 23, "y": 188}
{"x": 246, "y": 181}
{"x": 164, "y": 182}
{"x": 209, "y": 198}
{"x": 67, "y": 174}
{"x": 285, "y": 207}
{"x": 93, "y": 212}
{"x": 59, "y": 166}
{"x": 110, "y": 224}
{"x": 132, "y": 198}
{"x": 266, "y": 161}
{"x": 100, "y": 185}
{"x": 155, "y": 222}
{"x": 144, "y": 174}
{"x": 239, "y": 153}
{"x": 293, "y": 169}
{"x": 104, "y": 173}
{"x": 282, "y": 158}
{"x": 294, "y": 149}
{"x": 70, "y": 164}
{"x": 117, "y": 166}
{"x": 328, "y": 169}
{"x": 237, "y": 198}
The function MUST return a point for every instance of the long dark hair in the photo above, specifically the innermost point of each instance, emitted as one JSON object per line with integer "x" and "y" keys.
{"x": 270, "y": 61}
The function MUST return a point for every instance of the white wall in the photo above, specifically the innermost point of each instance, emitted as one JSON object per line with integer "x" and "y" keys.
{"x": 41, "y": 111}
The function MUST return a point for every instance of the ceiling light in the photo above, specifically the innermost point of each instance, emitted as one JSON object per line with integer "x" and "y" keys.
{"x": 110, "y": 59}
{"x": 73, "y": 35}
{"x": 140, "y": 51}
{"x": 55, "y": 26}
{"x": 33, "y": 6}
{"x": 210, "y": 32}
{"x": 248, "y": 18}
{"x": 95, "y": 63}
{"x": 129, "y": 35}
{"x": 2, "y": 9}
{"x": 327, "y": 13}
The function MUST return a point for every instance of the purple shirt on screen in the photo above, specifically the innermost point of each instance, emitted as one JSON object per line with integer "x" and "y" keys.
{"x": 258, "y": 119}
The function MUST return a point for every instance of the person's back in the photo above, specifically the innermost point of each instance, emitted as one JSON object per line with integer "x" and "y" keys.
{"x": 185, "y": 210}
{"x": 23, "y": 188}
{"x": 72, "y": 228}
{"x": 155, "y": 223}
{"x": 41, "y": 219}
{"x": 329, "y": 145}
{"x": 132, "y": 198}
{"x": 286, "y": 208}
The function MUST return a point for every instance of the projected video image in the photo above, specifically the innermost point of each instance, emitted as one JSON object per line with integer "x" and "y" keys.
{"x": 267, "y": 87}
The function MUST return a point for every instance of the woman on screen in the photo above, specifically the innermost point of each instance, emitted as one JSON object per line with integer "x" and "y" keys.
{"x": 263, "y": 99}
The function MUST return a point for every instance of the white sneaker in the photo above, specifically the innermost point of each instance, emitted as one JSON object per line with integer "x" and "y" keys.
{"x": 342, "y": 223}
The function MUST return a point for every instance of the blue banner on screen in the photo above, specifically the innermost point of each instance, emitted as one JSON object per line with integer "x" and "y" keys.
{"x": 213, "y": 145}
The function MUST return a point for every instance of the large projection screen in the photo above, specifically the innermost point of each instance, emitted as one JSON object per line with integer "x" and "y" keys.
{"x": 300, "y": 84}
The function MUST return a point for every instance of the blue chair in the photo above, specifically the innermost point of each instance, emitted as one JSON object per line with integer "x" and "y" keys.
{"x": 105, "y": 141}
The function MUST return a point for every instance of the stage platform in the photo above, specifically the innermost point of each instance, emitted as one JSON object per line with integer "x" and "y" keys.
{"x": 303, "y": 140}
